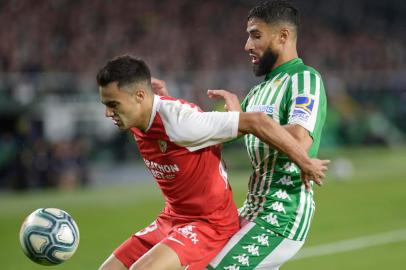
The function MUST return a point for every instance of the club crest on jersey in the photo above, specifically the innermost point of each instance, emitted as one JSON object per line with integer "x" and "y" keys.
{"x": 276, "y": 83}
{"x": 303, "y": 107}
{"x": 162, "y": 146}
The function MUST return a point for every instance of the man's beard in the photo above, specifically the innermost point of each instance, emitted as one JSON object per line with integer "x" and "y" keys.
{"x": 266, "y": 63}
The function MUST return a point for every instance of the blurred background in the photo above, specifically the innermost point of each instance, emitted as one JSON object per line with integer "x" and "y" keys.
{"x": 57, "y": 149}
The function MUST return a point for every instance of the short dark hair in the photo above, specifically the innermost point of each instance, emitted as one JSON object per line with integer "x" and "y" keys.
{"x": 276, "y": 11}
{"x": 124, "y": 70}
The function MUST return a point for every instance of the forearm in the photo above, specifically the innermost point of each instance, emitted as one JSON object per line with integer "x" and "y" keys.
{"x": 270, "y": 132}
{"x": 300, "y": 134}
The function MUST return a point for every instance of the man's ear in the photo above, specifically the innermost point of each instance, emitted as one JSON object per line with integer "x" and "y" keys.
{"x": 139, "y": 94}
{"x": 284, "y": 35}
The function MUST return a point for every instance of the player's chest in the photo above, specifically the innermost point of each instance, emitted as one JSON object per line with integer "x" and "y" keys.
{"x": 265, "y": 104}
{"x": 269, "y": 98}
{"x": 165, "y": 160}
{"x": 159, "y": 148}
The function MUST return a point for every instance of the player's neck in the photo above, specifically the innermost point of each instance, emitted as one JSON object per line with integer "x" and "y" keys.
{"x": 285, "y": 57}
{"x": 147, "y": 113}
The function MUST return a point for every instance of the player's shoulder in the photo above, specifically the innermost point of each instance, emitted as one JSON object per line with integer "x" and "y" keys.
{"x": 176, "y": 102}
{"x": 301, "y": 69}
{"x": 304, "y": 80}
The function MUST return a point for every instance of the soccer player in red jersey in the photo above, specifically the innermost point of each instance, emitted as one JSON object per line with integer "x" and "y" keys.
{"x": 179, "y": 145}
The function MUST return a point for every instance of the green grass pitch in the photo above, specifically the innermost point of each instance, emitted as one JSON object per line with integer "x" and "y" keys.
{"x": 371, "y": 201}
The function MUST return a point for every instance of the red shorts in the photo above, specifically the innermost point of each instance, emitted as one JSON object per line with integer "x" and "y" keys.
{"x": 195, "y": 242}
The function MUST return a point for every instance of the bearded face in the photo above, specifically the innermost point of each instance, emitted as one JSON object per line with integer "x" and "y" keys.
{"x": 265, "y": 63}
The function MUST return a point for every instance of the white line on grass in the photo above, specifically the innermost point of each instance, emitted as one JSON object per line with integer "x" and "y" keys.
{"x": 352, "y": 244}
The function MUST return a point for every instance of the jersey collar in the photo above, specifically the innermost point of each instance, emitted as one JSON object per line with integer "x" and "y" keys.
{"x": 153, "y": 112}
{"x": 284, "y": 66}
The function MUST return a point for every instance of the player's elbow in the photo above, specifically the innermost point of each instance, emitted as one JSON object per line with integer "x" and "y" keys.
{"x": 252, "y": 122}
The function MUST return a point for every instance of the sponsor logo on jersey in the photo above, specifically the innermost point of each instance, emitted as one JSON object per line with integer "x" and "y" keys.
{"x": 162, "y": 146}
{"x": 303, "y": 107}
{"x": 162, "y": 171}
{"x": 268, "y": 109}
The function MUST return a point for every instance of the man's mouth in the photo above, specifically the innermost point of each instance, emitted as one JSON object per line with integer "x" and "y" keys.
{"x": 116, "y": 122}
{"x": 254, "y": 59}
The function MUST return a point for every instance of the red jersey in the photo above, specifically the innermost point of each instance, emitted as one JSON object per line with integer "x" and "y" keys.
{"x": 180, "y": 148}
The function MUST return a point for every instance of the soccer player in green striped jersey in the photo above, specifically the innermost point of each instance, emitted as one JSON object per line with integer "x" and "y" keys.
{"x": 277, "y": 212}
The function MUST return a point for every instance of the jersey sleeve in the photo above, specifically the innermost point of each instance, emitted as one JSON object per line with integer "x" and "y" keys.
{"x": 306, "y": 102}
{"x": 189, "y": 127}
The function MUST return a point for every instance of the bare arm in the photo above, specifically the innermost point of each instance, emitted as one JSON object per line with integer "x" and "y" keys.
{"x": 293, "y": 140}
{"x": 270, "y": 132}
{"x": 301, "y": 135}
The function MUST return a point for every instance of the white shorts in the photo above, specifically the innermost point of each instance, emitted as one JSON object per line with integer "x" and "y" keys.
{"x": 255, "y": 247}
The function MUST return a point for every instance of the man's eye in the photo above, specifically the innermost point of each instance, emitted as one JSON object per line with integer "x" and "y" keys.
{"x": 255, "y": 36}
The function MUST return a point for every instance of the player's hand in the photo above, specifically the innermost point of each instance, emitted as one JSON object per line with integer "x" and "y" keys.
{"x": 159, "y": 87}
{"x": 314, "y": 171}
{"x": 231, "y": 102}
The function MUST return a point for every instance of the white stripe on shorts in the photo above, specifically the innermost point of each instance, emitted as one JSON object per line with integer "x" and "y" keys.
{"x": 281, "y": 254}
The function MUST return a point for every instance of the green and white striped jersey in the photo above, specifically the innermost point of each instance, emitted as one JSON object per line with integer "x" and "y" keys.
{"x": 292, "y": 93}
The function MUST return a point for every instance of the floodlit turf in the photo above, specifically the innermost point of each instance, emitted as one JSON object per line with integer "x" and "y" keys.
{"x": 371, "y": 200}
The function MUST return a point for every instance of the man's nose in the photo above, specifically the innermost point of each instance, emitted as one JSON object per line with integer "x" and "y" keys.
{"x": 248, "y": 45}
{"x": 109, "y": 112}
